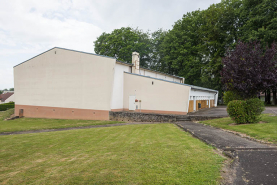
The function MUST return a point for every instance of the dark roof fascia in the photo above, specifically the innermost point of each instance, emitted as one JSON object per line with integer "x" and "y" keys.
{"x": 64, "y": 49}
{"x": 192, "y": 86}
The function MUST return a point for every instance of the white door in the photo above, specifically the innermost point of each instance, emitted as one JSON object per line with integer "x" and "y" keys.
{"x": 132, "y": 105}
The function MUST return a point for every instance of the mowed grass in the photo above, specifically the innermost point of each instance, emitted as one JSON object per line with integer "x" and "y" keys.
{"x": 264, "y": 131}
{"x": 24, "y": 124}
{"x": 133, "y": 154}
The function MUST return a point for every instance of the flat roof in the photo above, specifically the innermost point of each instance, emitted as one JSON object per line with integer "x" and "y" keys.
{"x": 192, "y": 86}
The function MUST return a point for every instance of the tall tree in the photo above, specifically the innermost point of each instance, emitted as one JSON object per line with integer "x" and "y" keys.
{"x": 157, "y": 56}
{"x": 182, "y": 49}
{"x": 259, "y": 19}
{"x": 122, "y": 42}
{"x": 249, "y": 70}
{"x": 196, "y": 44}
{"x": 219, "y": 31}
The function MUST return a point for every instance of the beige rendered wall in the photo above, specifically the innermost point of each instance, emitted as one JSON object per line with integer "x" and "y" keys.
{"x": 65, "y": 79}
{"x": 161, "y": 97}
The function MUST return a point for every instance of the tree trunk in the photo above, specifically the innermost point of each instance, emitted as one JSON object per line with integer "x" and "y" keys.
{"x": 269, "y": 97}
{"x": 265, "y": 97}
{"x": 274, "y": 96}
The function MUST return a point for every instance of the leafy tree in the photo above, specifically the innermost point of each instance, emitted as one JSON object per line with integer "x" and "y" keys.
{"x": 218, "y": 32}
{"x": 1, "y": 91}
{"x": 182, "y": 49}
{"x": 157, "y": 56}
{"x": 248, "y": 69}
{"x": 196, "y": 44}
{"x": 122, "y": 42}
{"x": 229, "y": 96}
{"x": 259, "y": 20}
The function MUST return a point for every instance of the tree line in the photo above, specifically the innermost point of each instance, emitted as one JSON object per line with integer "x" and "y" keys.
{"x": 197, "y": 43}
{"x": 10, "y": 89}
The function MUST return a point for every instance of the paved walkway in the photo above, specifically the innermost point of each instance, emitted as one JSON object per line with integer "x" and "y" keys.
{"x": 255, "y": 163}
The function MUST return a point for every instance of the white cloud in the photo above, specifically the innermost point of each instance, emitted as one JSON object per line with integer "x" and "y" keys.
{"x": 30, "y": 27}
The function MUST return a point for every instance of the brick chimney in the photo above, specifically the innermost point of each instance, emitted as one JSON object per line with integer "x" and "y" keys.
{"x": 135, "y": 62}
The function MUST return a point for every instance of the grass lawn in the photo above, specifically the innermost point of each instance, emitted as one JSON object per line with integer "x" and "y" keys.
{"x": 23, "y": 124}
{"x": 264, "y": 131}
{"x": 133, "y": 154}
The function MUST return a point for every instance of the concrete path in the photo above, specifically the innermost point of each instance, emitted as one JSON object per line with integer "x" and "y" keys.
{"x": 254, "y": 163}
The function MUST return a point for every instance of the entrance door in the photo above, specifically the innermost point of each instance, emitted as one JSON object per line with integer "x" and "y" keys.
{"x": 132, "y": 105}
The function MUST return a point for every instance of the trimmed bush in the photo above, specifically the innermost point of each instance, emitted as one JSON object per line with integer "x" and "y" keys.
{"x": 254, "y": 108}
{"x": 236, "y": 110}
{"x": 230, "y": 96}
{"x": 245, "y": 111}
{"x": 6, "y": 106}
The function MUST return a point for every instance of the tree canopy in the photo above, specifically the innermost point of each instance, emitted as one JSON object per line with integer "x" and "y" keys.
{"x": 197, "y": 43}
{"x": 248, "y": 69}
{"x": 122, "y": 42}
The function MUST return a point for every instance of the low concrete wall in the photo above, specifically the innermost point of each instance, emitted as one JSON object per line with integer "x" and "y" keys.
{"x": 144, "y": 117}
{"x": 152, "y": 117}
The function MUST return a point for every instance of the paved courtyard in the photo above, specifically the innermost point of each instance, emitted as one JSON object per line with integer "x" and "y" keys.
{"x": 220, "y": 111}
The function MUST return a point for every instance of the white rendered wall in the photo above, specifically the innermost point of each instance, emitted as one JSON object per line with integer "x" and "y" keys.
{"x": 156, "y": 95}
{"x": 65, "y": 78}
{"x": 117, "y": 93}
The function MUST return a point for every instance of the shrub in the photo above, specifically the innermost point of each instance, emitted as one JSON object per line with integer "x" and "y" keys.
{"x": 254, "y": 108}
{"x": 6, "y": 106}
{"x": 6, "y": 114}
{"x": 245, "y": 111}
{"x": 236, "y": 110}
{"x": 230, "y": 96}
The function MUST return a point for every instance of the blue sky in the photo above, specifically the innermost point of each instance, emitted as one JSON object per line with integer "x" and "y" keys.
{"x": 30, "y": 27}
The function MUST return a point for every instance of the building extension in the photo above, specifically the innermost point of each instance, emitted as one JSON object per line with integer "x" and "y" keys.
{"x": 67, "y": 84}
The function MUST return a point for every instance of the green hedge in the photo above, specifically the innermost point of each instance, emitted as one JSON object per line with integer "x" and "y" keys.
{"x": 254, "y": 108}
{"x": 245, "y": 111}
{"x": 229, "y": 96}
{"x": 6, "y": 106}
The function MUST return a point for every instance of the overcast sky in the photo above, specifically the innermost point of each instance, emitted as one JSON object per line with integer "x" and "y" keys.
{"x": 30, "y": 27}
